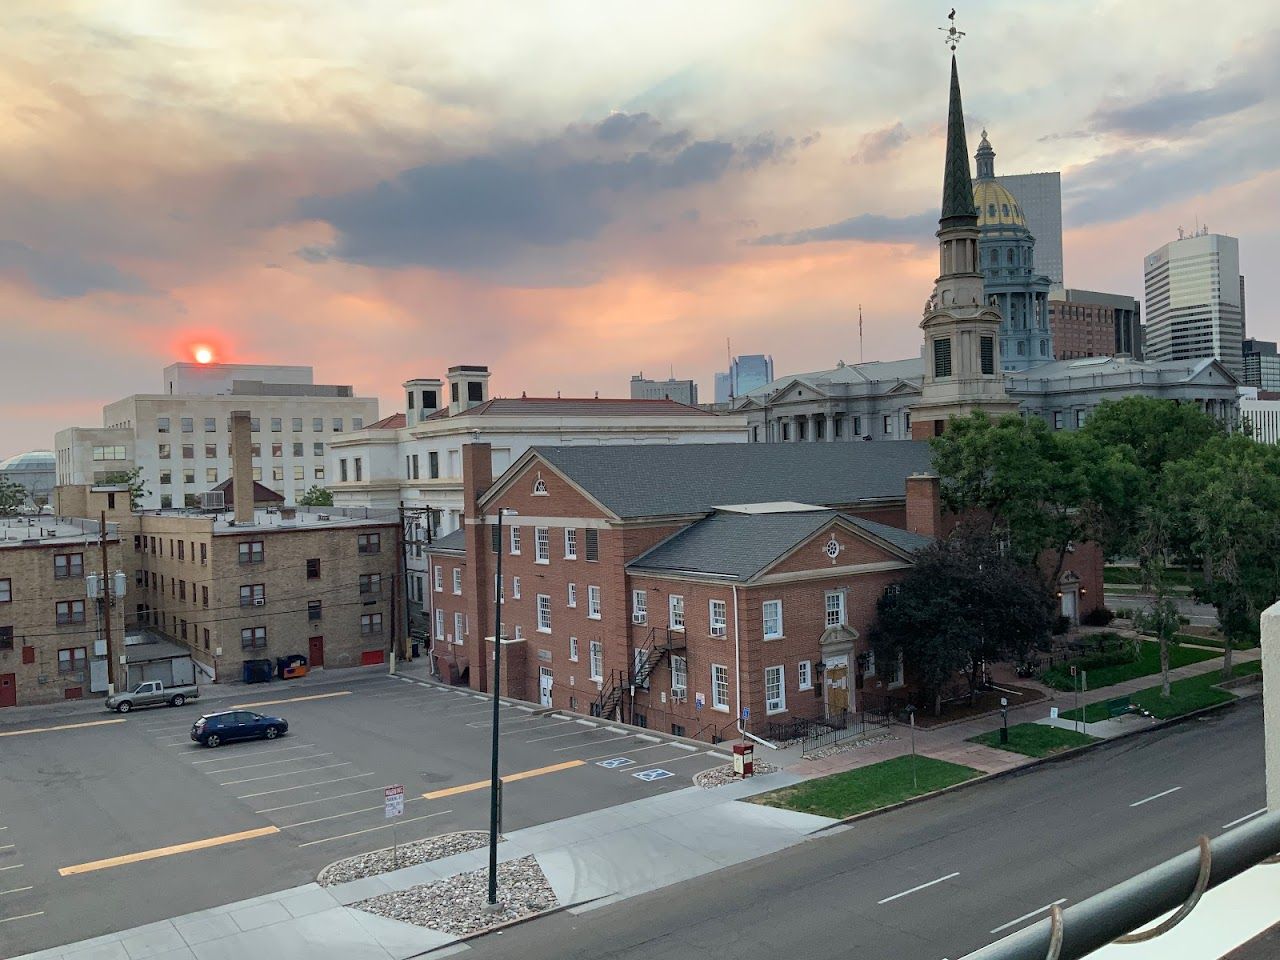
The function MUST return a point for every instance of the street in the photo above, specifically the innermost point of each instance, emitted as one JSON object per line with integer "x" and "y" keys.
{"x": 110, "y": 821}
{"x": 942, "y": 877}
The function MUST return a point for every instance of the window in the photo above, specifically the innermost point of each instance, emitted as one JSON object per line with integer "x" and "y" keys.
{"x": 591, "y": 537}
{"x": 515, "y": 588}
{"x": 639, "y": 607}
{"x": 499, "y": 592}
{"x": 253, "y": 595}
{"x": 253, "y": 638}
{"x": 835, "y": 608}
{"x": 414, "y": 472}
{"x": 277, "y": 450}
{"x": 942, "y": 357}
{"x": 596, "y": 654}
{"x": 437, "y": 579}
{"x": 162, "y": 425}
{"x": 371, "y": 583}
{"x": 368, "y": 542}
{"x": 519, "y": 632}
{"x": 515, "y": 541}
{"x": 188, "y": 476}
{"x": 573, "y": 595}
{"x": 357, "y": 423}
{"x": 593, "y": 603}
{"x": 182, "y": 550}
{"x": 67, "y": 565}
{"x": 804, "y": 675}
{"x": 894, "y": 675}
{"x": 541, "y": 545}
{"x": 110, "y": 452}
{"x": 166, "y": 478}
{"x": 277, "y": 425}
{"x": 433, "y": 465}
{"x": 772, "y": 610}
{"x": 297, "y": 424}
{"x": 313, "y": 569}
{"x": 987, "y": 351}
{"x": 210, "y": 424}
{"x": 675, "y": 611}
{"x": 210, "y": 474}
{"x": 6, "y": 638}
{"x": 719, "y": 617}
{"x": 857, "y": 425}
{"x": 251, "y": 551}
{"x": 337, "y": 424}
{"x": 544, "y": 613}
{"x": 719, "y": 687}
{"x": 679, "y": 676}
{"x": 439, "y": 624}
{"x": 358, "y": 465}
{"x": 318, "y": 472}
{"x": 188, "y": 425}
{"x": 317, "y": 424}
{"x": 570, "y": 543}
{"x": 540, "y": 487}
{"x": 887, "y": 426}
{"x": 370, "y": 623}
{"x": 297, "y": 449}
{"x": 317, "y": 449}
{"x": 204, "y": 596}
{"x": 70, "y": 611}
{"x": 1080, "y": 415}
{"x": 255, "y": 425}
{"x": 257, "y": 473}
{"x": 188, "y": 451}
{"x": 342, "y": 470}
{"x": 1057, "y": 419}
{"x": 73, "y": 659}
{"x": 775, "y": 693}
{"x": 457, "y": 580}
{"x": 299, "y": 472}
{"x": 573, "y": 649}
{"x": 164, "y": 451}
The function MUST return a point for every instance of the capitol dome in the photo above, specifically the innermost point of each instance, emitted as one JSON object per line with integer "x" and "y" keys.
{"x": 996, "y": 205}
{"x": 34, "y": 471}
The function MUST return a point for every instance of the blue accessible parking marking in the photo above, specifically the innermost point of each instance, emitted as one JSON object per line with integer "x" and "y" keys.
{"x": 650, "y": 775}
{"x": 615, "y": 763}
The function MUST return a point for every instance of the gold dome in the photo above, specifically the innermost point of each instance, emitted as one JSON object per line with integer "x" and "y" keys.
{"x": 996, "y": 206}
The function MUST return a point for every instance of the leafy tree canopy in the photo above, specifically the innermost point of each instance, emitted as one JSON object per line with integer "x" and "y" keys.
{"x": 317, "y": 496}
{"x": 12, "y": 497}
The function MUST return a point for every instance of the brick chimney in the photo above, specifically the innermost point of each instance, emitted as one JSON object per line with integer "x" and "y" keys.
{"x": 924, "y": 504}
{"x": 242, "y": 466}
{"x": 477, "y": 478}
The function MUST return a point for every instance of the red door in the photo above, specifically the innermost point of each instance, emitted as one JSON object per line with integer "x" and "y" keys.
{"x": 370, "y": 657}
{"x": 8, "y": 689}
{"x": 317, "y": 652}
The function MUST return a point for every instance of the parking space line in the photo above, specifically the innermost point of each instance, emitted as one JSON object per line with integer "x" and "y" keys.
{"x": 385, "y": 826}
{"x": 258, "y": 753}
{"x": 303, "y": 803}
{"x": 339, "y": 816}
{"x": 268, "y": 703}
{"x": 61, "y": 726}
{"x": 899, "y": 896}
{"x": 560, "y": 736}
{"x": 5, "y": 893}
{"x": 268, "y": 763}
{"x": 623, "y": 753}
{"x": 666, "y": 762}
{"x": 509, "y": 778}
{"x": 166, "y": 851}
{"x": 25, "y": 916}
{"x": 14, "y": 866}
{"x": 592, "y": 743}
{"x": 1156, "y": 797}
{"x": 302, "y": 786}
{"x": 291, "y": 773}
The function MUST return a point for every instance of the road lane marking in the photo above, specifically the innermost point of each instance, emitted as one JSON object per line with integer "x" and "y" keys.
{"x": 559, "y": 736}
{"x": 509, "y": 778}
{"x": 1247, "y": 816}
{"x": 302, "y": 786}
{"x": 7, "y": 846}
{"x": 652, "y": 746}
{"x": 291, "y": 773}
{"x": 592, "y": 743}
{"x": 356, "y": 833}
{"x": 269, "y": 763}
{"x": 303, "y": 803}
{"x": 1028, "y": 916}
{"x": 166, "y": 851}
{"x": 339, "y": 816}
{"x": 301, "y": 746}
{"x": 922, "y": 886}
{"x": 25, "y": 916}
{"x": 268, "y": 703}
{"x": 63, "y": 726}
{"x": 675, "y": 759}
{"x": 1156, "y": 797}
{"x": 4, "y": 893}
{"x": 14, "y": 866}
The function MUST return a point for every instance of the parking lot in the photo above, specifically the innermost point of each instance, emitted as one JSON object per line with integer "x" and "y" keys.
{"x": 112, "y": 821}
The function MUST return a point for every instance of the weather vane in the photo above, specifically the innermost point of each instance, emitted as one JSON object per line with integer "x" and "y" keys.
{"x": 953, "y": 36}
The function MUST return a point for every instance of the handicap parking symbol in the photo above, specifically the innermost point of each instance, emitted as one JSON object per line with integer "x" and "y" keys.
{"x": 649, "y": 776}
{"x": 615, "y": 763}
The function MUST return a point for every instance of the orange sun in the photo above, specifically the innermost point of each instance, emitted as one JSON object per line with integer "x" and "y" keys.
{"x": 203, "y": 355}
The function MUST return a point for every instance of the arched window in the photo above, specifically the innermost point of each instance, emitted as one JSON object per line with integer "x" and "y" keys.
{"x": 995, "y": 258}
{"x": 1044, "y": 348}
{"x": 539, "y": 487}
{"x": 1004, "y": 208}
{"x": 991, "y": 209}
{"x": 1010, "y": 256}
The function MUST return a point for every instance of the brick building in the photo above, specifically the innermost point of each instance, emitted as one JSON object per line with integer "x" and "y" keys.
{"x": 1090, "y": 324}
{"x": 52, "y": 645}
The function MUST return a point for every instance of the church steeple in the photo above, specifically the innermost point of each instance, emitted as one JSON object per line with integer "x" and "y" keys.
{"x": 985, "y": 159}
{"x": 957, "y": 187}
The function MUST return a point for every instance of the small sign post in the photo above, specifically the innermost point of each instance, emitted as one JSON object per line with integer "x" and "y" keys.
{"x": 393, "y": 803}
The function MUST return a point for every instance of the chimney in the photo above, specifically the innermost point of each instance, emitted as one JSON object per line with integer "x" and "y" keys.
{"x": 242, "y": 466}
{"x": 924, "y": 504}
{"x": 422, "y": 398}
{"x": 468, "y": 386}
{"x": 477, "y": 478}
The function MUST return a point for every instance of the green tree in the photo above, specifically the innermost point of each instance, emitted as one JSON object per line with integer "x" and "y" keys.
{"x": 133, "y": 479}
{"x": 1154, "y": 432}
{"x": 12, "y": 497}
{"x": 964, "y": 602}
{"x": 317, "y": 496}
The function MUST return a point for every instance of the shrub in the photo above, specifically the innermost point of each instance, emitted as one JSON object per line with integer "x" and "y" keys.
{"x": 1061, "y": 625}
{"x": 1098, "y": 617}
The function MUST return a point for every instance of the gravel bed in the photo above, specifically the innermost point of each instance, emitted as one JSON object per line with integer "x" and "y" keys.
{"x": 417, "y": 851}
{"x": 847, "y": 745}
{"x": 457, "y": 905}
{"x": 719, "y": 776}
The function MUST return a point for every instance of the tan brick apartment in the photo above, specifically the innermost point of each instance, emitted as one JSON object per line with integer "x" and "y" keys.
{"x": 51, "y": 631}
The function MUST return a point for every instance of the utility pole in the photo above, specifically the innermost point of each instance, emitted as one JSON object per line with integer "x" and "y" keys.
{"x": 106, "y": 604}
{"x": 402, "y": 564}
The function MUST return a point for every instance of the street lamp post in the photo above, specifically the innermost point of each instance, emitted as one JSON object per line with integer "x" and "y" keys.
{"x": 495, "y": 785}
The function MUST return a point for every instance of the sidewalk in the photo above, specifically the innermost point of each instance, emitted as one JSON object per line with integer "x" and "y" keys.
{"x": 590, "y": 860}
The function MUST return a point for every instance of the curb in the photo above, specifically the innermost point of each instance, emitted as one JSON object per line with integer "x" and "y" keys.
{"x": 550, "y": 911}
{"x": 1031, "y": 764}
{"x": 438, "y": 836}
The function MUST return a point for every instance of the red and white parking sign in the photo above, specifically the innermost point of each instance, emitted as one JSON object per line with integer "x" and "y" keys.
{"x": 393, "y": 799}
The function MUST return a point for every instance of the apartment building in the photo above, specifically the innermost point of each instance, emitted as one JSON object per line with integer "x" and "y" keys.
{"x": 52, "y": 640}
{"x": 179, "y": 438}
{"x": 678, "y": 587}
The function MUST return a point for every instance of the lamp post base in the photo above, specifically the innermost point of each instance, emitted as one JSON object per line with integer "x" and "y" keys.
{"x": 493, "y": 907}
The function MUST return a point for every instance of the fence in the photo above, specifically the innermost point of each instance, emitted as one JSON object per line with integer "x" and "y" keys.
{"x": 855, "y": 724}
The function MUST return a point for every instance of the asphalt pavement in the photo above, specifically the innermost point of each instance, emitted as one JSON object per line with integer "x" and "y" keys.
{"x": 940, "y": 878}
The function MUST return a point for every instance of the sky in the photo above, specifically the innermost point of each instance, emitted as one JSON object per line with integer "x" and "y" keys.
{"x": 573, "y": 192}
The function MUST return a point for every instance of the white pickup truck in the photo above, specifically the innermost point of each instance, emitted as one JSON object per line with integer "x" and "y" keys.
{"x": 152, "y": 693}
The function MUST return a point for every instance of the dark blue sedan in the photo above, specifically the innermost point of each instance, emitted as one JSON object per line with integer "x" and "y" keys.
{"x": 214, "y": 729}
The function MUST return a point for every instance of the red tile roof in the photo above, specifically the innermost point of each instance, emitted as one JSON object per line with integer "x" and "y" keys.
{"x": 393, "y": 422}
{"x": 582, "y": 407}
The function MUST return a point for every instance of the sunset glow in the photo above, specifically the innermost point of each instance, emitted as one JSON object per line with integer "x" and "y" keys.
{"x": 203, "y": 355}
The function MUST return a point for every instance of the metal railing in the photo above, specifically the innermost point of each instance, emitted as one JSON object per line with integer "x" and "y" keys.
{"x": 1112, "y": 915}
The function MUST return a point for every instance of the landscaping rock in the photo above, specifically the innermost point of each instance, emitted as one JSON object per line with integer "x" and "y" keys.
{"x": 847, "y": 745}
{"x": 418, "y": 851}
{"x": 719, "y": 776}
{"x": 457, "y": 905}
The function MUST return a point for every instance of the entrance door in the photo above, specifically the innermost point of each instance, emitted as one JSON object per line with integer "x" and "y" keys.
{"x": 316, "y": 658}
{"x": 8, "y": 689}
{"x": 1070, "y": 605}
{"x": 545, "y": 677}
{"x": 837, "y": 682}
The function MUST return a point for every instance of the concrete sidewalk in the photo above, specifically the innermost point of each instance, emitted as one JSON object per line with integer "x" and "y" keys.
{"x": 589, "y": 860}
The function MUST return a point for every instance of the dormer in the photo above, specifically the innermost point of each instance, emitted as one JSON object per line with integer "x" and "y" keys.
{"x": 421, "y": 398}
{"x": 468, "y": 387}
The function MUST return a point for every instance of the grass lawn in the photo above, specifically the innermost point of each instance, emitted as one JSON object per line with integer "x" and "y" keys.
{"x": 1148, "y": 663}
{"x": 1131, "y": 576}
{"x": 1034, "y": 739}
{"x": 867, "y": 788}
{"x": 1184, "y": 696}
{"x": 1213, "y": 642}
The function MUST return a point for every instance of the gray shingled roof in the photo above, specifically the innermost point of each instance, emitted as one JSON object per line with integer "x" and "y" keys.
{"x": 653, "y": 480}
{"x": 451, "y": 541}
{"x": 739, "y": 545}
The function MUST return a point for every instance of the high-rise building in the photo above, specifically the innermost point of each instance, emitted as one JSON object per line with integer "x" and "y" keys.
{"x": 1090, "y": 324}
{"x": 748, "y": 372}
{"x": 1039, "y": 195}
{"x": 1261, "y": 364}
{"x": 1193, "y": 302}
{"x": 681, "y": 391}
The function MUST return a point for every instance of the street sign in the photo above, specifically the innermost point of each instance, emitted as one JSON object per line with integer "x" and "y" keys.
{"x": 699, "y": 701}
{"x": 1073, "y": 670}
{"x": 393, "y": 800}
{"x": 746, "y": 713}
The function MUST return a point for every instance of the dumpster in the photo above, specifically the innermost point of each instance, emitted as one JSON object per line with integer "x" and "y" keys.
{"x": 294, "y": 665}
{"x": 257, "y": 671}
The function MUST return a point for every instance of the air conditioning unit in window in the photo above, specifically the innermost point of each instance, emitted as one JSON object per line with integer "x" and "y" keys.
{"x": 213, "y": 500}
{"x": 679, "y": 695}
{"x": 259, "y": 601}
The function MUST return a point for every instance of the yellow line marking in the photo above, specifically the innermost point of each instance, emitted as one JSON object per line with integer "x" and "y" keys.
{"x": 64, "y": 726}
{"x": 166, "y": 851}
{"x": 267, "y": 703}
{"x": 509, "y": 778}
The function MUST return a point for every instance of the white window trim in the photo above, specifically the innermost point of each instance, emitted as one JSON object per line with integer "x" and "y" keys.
{"x": 515, "y": 588}
{"x": 593, "y": 603}
{"x": 681, "y": 689}
{"x": 514, "y": 540}
{"x": 723, "y": 618}
{"x": 573, "y": 649}
{"x": 570, "y": 543}
{"x": 437, "y": 579}
{"x": 639, "y": 607}
{"x": 844, "y": 613}
{"x": 459, "y": 628}
{"x": 538, "y": 607}
{"x": 804, "y": 675}
{"x": 541, "y": 536}
{"x": 672, "y": 599}
{"x": 572, "y": 601}
{"x": 782, "y": 690}
{"x": 870, "y": 670}
{"x": 596, "y": 646}
{"x": 714, "y": 705}
{"x": 902, "y": 675}
{"x": 764, "y": 618}
{"x": 457, "y": 581}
